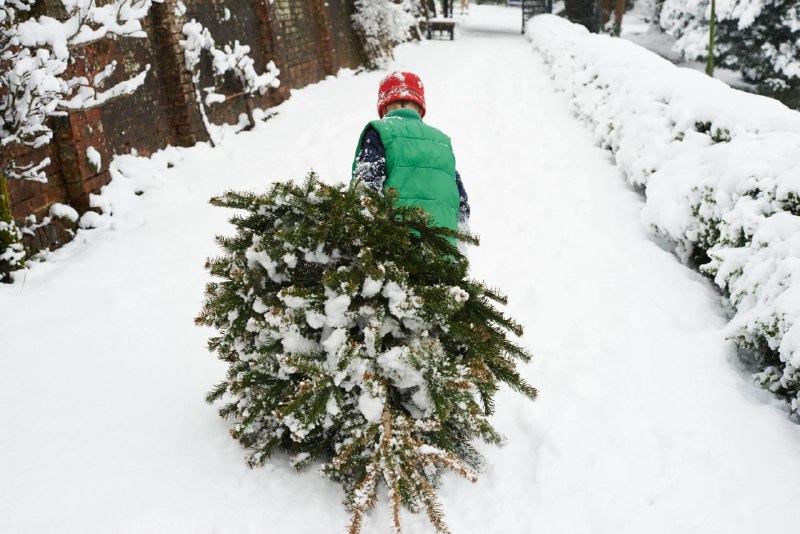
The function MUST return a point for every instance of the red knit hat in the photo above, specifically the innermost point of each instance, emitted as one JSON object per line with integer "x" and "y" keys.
{"x": 401, "y": 86}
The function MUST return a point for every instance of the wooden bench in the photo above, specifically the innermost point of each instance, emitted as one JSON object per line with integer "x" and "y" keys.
{"x": 441, "y": 26}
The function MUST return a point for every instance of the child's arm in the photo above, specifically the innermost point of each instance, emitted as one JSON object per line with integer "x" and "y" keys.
{"x": 371, "y": 162}
{"x": 463, "y": 204}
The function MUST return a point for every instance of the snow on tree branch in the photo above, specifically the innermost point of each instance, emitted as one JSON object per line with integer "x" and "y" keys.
{"x": 86, "y": 95}
{"x": 198, "y": 38}
{"x": 234, "y": 59}
{"x": 382, "y": 25}
{"x": 35, "y": 85}
{"x": 759, "y": 37}
{"x": 238, "y": 61}
{"x": 35, "y": 53}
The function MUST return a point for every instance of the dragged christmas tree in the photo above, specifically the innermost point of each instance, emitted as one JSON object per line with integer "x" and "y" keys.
{"x": 355, "y": 337}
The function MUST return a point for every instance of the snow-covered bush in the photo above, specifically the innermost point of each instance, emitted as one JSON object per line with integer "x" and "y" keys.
{"x": 688, "y": 22}
{"x": 35, "y": 82}
{"x": 759, "y": 37}
{"x": 233, "y": 58}
{"x": 229, "y": 58}
{"x": 353, "y": 334}
{"x": 721, "y": 174}
{"x": 383, "y": 24}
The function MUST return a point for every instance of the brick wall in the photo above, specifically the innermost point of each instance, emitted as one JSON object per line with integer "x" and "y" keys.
{"x": 143, "y": 120}
{"x": 347, "y": 51}
{"x": 298, "y": 41}
{"x": 307, "y": 40}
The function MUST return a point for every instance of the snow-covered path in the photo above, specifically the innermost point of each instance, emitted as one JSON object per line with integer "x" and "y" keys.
{"x": 644, "y": 423}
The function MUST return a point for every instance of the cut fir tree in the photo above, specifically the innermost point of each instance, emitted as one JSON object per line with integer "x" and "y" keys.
{"x": 354, "y": 336}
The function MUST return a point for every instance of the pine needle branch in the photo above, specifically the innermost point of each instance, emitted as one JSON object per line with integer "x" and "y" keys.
{"x": 352, "y": 332}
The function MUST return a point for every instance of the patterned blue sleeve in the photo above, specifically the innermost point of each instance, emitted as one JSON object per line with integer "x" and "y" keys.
{"x": 371, "y": 161}
{"x": 463, "y": 201}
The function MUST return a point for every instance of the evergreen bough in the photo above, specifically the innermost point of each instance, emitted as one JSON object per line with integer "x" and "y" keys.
{"x": 354, "y": 335}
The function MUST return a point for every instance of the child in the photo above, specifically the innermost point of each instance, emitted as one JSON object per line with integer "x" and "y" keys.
{"x": 401, "y": 151}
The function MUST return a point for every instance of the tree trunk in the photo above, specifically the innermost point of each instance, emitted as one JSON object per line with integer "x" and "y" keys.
{"x": 711, "y": 31}
{"x": 586, "y": 12}
{"x": 659, "y": 5}
{"x": 619, "y": 11}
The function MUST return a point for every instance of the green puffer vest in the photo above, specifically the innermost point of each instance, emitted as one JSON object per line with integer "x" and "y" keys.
{"x": 420, "y": 164}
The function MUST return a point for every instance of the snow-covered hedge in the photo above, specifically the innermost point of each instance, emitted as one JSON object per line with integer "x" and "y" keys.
{"x": 382, "y": 25}
{"x": 721, "y": 172}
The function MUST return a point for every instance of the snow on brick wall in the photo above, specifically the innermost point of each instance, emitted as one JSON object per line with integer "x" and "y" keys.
{"x": 229, "y": 21}
{"x": 307, "y": 39}
{"x": 142, "y": 119}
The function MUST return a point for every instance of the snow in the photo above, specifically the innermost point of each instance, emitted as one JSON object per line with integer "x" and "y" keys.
{"x": 292, "y": 301}
{"x": 333, "y": 345}
{"x": 198, "y": 38}
{"x": 400, "y": 305}
{"x": 371, "y": 407}
{"x": 259, "y": 257}
{"x": 180, "y": 9}
{"x": 644, "y": 422}
{"x": 89, "y": 97}
{"x": 235, "y": 59}
{"x": 94, "y": 158}
{"x": 396, "y": 365}
{"x": 718, "y": 165}
{"x": 36, "y": 56}
{"x": 639, "y": 27}
{"x": 770, "y": 23}
{"x": 315, "y": 320}
{"x": 459, "y": 294}
{"x": 290, "y": 260}
{"x": 335, "y": 309}
{"x": 383, "y": 24}
{"x": 294, "y": 342}
{"x": 62, "y": 211}
{"x": 371, "y": 287}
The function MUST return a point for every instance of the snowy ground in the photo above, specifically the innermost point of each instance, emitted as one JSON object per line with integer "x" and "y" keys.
{"x": 644, "y": 423}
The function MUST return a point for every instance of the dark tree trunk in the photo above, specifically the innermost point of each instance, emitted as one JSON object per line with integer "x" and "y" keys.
{"x": 586, "y": 12}
{"x": 657, "y": 11}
